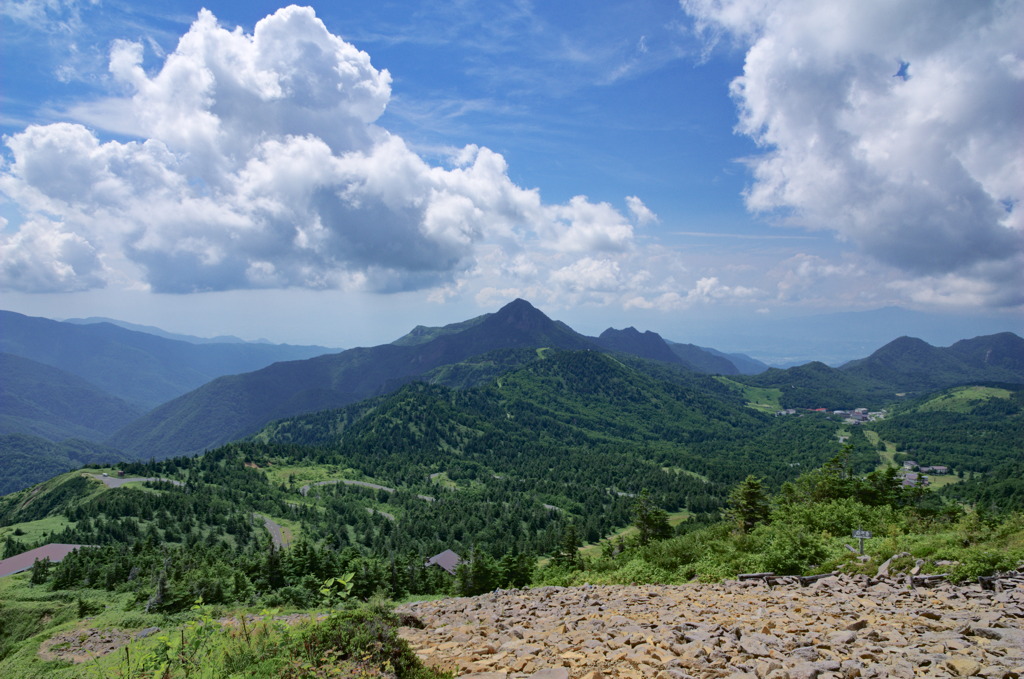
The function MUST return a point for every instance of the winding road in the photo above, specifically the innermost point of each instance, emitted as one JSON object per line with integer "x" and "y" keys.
{"x": 275, "y": 529}
{"x": 117, "y": 482}
{"x": 364, "y": 484}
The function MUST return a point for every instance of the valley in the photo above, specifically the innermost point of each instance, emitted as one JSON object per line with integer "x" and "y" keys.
{"x": 541, "y": 457}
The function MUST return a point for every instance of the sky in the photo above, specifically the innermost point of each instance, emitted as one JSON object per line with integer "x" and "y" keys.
{"x": 338, "y": 173}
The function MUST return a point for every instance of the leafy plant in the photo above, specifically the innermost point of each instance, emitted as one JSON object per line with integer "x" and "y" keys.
{"x": 337, "y": 589}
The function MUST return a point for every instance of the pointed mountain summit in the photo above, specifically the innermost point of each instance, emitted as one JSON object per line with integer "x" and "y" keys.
{"x": 524, "y": 325}
{"x": 236, "y": 406}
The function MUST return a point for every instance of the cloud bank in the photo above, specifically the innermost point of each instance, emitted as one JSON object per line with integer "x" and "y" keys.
{"x": 256, "y": 162}
{"x": 897, "y": 125}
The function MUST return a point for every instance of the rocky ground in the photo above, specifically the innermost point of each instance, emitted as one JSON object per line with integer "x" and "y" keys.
{"x": 86, "y": 644}
{"x": 839, "y": 627}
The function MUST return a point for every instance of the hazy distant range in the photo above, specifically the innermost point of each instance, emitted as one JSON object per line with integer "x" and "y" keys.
{"x": 833, "y": 338}
{"x": 840, "y": 337}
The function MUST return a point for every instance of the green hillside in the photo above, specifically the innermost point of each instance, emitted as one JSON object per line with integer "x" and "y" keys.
{"x": 816, "y": 385}
{"x": 536, "y": 454}
{"x": 569, "y": 438}
{"x": 44, "y": 401}
{"x": 25, "y": 460}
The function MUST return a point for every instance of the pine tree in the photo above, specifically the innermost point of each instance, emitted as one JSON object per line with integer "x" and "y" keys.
{"x": 650, "y": 520}
{"x": 567, "y": 553}
{"x": 748, "y": 503}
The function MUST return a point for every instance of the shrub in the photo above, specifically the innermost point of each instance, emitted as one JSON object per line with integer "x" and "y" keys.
{"x": 791, "y": 549}
{"x": 974, "y": 562}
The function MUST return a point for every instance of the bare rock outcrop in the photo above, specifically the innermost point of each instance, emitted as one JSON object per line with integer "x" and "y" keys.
{"x": 836, "y": 628}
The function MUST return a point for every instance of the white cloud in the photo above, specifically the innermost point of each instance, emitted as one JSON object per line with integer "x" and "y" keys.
{"x": 582, "y": 226}
{"x": 260, "y": 164}
{"x": 710, "y": 289}
{"x": 916, "y": 170}
{"x": 641, "y": 213}
{"x": 588, "y": 275}
{"x": 43, "y": 257}
{"x": 804, "y": 273}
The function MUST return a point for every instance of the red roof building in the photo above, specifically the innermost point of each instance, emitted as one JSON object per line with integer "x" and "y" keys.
{"x": 23, "y": 562}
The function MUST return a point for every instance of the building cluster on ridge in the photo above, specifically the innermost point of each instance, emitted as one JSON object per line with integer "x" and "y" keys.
{"x": 855, "y": 416}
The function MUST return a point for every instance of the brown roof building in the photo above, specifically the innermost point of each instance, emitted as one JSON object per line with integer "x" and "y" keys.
{"x": 22, "y": 562}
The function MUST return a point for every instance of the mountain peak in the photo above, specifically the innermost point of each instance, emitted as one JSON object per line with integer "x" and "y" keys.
{"x": 630, "y": 332}
{"x": 520, "y": 314}
{"x": 648, "y": 345}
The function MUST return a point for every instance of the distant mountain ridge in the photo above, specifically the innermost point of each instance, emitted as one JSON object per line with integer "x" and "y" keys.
{"x": 139, "y": 368}
{"x": 647, "y": 345}
{"x": 461, "y": 355}
{"x": 236, "y": 406}
{"x": 917, "y": 365}
{"x": 906, "y": 365}
{"x": 44, "y": 401}
{"x": 160, "y": 332}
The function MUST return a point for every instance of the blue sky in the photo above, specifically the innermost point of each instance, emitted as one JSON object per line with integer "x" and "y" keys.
{"x": 336, "y": 174}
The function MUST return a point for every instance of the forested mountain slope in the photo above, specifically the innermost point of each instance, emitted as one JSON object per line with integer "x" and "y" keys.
{"x": 501, "y": 469}
{"x": 236, "y": 406}
{"x": 26, "y": 460}
{"x": 41, "y": 400}
{"x": 816, "y": 385}
{"x": 903, "y": 367}
{"x": 573, "y": 414}
{"x": 914, "y": 365}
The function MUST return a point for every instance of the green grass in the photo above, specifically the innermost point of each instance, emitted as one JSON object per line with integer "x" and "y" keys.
{"x": 441, "y": 479}
{"x": 33, "y": 531}
{"x": 302, "y": 474}
{"x": 593, "y": 550}
{"x": 937, "y": 481}
{"x": 29, "y": 615}
{"x": 887, "y": 457}
{"x": 680, "y": 470}
{"x": 765, "y": 399}
{"x": 962, "y": 399}
{"x": 359, "y": 641}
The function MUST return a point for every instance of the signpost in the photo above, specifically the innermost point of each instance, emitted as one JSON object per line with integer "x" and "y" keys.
{"x": 861, "y": 535}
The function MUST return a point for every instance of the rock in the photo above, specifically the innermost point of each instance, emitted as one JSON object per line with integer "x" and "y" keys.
{"x": 842, "y": 638}
{"x": 843, "y": 631}
{"x": 551, "y": 673}
{"x": 764, "y": 668}
{"x": 754, "y": 647}
{"x": 805, "y": 653}
{"x": 804, "y": 670}
{"x": 963, "y": 667}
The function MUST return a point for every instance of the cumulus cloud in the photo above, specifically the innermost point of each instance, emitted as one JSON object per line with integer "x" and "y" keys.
{"x": 641, "y": 213}
{"x": 42, "y": 257}
{"x": 258, "y": 162}
{"x": 895, "y": 124}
